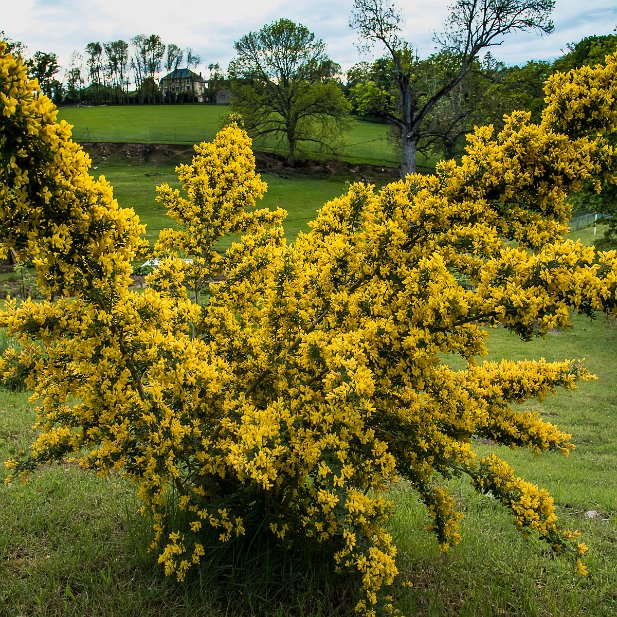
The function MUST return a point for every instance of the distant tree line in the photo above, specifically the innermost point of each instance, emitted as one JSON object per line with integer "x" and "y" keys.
{"x": 114, "y": 72}
{"x": 120, "y": 72}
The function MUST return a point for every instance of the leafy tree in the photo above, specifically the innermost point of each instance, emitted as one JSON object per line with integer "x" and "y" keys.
{"x": 94, "y": 62}
{"x": 216, "y": 76}
{"x": 589, "y": 51}
{"x": 283, "y": 86}
{"x": 44, "y": 66}
{"x": 148, "y": 52}
{"x": 519, "y": 88}
{"x": 455, "y": 114}
{"x": 473, "y": 25}
{"x": 138, "y": 59}
{"x": 149, "y": 91}
{"x": 155, "y": 51}
{"x": 314, "y": 376}
{"x": 489, "y": 92}
{"x": 378, "y": 72}
{"x": 117, "y": 65}
{"x": 216, "y": 81}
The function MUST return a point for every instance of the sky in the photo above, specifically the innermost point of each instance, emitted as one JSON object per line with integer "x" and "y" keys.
{"x": 210, "y": 27}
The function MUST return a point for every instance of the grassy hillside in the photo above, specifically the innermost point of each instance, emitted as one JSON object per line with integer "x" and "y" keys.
{"x": 176, "y": 124}
{"x": 364, "y": 142}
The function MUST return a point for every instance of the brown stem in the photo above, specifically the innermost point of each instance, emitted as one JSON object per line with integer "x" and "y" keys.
{"x": 132, "y": 370}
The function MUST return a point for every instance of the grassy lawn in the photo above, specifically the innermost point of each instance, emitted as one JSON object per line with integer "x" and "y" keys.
{"x": 161, "y": 124}
{"x": 363, "y": 142}
{"x": 135, "y": 187}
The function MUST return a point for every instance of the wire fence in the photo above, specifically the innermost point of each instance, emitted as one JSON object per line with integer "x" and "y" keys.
{"x": 586, "y": 220}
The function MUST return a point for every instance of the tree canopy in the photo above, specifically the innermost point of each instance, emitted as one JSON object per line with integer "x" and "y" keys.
{"x": 44, "y": 67}
{"x": 473, "y": 25}
{"x": 589, "y": 51}
{"x": 283, "y": 87}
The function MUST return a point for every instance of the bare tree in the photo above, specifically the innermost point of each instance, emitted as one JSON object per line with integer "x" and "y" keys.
{"x": 192, "y": 59}
{"x": 139, "y": 59}
{"x": 74, "y": 77}
{"x": 472, "y": 25}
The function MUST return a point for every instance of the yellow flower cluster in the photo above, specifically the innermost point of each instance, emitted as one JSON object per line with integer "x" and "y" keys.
{"x": 220, "y": 187}
{"x": 291, "y": 394}
{"x": 533, "y": 507}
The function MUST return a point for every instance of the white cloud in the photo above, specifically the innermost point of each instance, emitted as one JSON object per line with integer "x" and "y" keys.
{"x": 210, "y": 27}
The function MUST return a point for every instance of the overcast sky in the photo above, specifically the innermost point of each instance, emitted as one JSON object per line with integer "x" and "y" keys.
{"x": 210, "y": 27}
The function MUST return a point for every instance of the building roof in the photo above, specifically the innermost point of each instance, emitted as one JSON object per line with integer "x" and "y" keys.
{"x": 182, "y": 74}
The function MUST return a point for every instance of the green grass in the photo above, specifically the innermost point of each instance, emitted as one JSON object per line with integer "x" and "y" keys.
{"x": 586, "y": 235}
{"x": 301, "y": 195}
{"x": 363, "y": 142}
{"x": 163, "y": 124}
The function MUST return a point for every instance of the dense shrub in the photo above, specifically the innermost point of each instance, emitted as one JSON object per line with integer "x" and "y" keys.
{"x": 311, "y": 376}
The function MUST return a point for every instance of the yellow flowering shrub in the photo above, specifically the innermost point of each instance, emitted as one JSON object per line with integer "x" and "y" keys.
{"x": 219, "y": 184}
{"x": 288, "y": 386}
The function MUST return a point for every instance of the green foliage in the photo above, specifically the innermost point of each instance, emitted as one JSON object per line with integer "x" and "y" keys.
{"x": 510, "y": 88}
{"x": 282, "y": 86}
{"x": 368, "y": 99}
{"x": 589, "y": 51}
{"x": 44, "y": 66}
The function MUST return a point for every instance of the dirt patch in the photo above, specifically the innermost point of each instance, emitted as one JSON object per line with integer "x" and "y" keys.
{"x": 139, "y": 153}
{"x": 266, "y": 162}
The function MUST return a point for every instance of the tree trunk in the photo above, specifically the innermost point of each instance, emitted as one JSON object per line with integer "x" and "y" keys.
{"x": 448, "y": 148}
{"x": 409, "y": 149}
{"x": 291, "y": 152}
